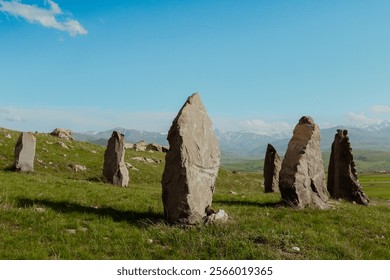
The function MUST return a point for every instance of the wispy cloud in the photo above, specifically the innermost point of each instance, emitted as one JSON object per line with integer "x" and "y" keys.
{"x": 82, "y": 119}
{"x": 261, "y": 126}
{"x": 361, "y": 120}
{"x": 276, "y": 128}
{"x": 8, "y": 116}
{"x": 380, "y": 109}
{"x": 50, "y": 16}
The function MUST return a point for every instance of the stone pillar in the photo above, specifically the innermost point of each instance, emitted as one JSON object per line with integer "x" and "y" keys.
{"x": 114, "y": 169}
{"x": 342, "y": 176}
{"x": 25, "y": 152}
{"x": 192, "y": 165}
{"x": 272, "y": 165}
{"x": 302, "y": 177}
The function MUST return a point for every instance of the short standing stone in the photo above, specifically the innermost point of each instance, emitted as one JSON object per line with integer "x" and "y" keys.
{"x": 25, "y": 152}
{"x": 302, "y": 177}
{"x": 114, "y": 169}
{"x": 192, "y": 165}
{"x": 272, "y": 165}
{"x": 342, "y": 176}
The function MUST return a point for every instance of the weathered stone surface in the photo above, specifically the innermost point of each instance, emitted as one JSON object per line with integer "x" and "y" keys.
{"x": 342, "y": 176}
{"x": 154, "y": 147}
{"x": 114, "y": 169}
{"x": 302, "y": 177}
{"x": 272, "y": 166}
{"x": 78, "y": 167}
{"x": 140, "y": 146}
{"x": 62, "y": 133}
{"x": 63, "y": 145}
{"x": 129, "y": 146}
{"x": 192, "y": 165}
{"x": 25, "y": 152}
{"x": 144, "y": 159}
{"x": 218, "y": 217}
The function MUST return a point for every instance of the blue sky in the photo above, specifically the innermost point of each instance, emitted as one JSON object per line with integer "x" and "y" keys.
{"x": 258, "y": 65}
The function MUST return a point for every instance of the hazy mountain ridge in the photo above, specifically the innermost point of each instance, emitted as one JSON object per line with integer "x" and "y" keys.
{"x": 246, "y": 144}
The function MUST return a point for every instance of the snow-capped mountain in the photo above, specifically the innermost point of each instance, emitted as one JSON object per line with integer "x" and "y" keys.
{"x": 253, "y": 145}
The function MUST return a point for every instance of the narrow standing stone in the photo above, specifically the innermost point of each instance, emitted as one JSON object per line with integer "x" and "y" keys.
{"x": 272, "y": 166}
{"x": 25, "y": 152}
{"x": 192, "y": 165}
{"x": 342, "y": 176}
{"x": 114, "y": 169}
{"x": 302, "y": 177}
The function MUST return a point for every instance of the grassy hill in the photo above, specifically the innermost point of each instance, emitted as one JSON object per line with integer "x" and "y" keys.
{"x": 58, "y": 213}
{"x": 366, "y": 162}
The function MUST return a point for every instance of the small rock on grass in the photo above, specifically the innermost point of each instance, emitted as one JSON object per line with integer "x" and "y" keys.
{"x": 296, "y": 249}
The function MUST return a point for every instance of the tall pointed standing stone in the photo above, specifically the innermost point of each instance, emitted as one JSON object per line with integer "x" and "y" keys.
{"x": 302, "y": 177}
{"x": 272, "y": 165}
{"x": 191, "y": 166}
{"x": 114, "y": 169}
{"x": 342, "y": 176}
{"x": 25, "y": 152}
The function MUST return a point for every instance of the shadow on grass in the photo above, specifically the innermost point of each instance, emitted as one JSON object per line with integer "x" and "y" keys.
{"x": 97, "y": 179}
{"x": 250, "y": 203}
{"x": 10, "y": 168}
{"x": 141, "y": 219}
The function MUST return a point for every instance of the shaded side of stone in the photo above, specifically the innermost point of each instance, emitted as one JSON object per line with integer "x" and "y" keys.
{"x": 24, "y": 152}
{"x": 343, "y": 181}
{"x": 114, "y": 169}
{"x": 302, "y": 176}
{"x": 191, "y": 165}
{"x": 272, "y": 166}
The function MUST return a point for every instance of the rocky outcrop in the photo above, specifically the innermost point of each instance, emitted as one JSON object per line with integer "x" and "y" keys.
{"x": 342, "y": 176}
{"x": 25, "y": 152}
{"x": 62, "y": 133}
{"x": 192, "y": 165}
{"x": 272, "y": 166}
{"x": 157, "y": 148}
{"x": 140, "y": 146}
{"x": 114, "y": 169}
{"x": 302, "y": 177}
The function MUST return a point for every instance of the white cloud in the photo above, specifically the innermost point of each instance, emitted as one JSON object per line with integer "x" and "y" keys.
{"x": 275, "y": 128}
{"x": 361, "y": 120}
{"x": 82, "y": 119}
{"x": 50, "y": 17}
{"x": 380, "y": 109}
{"x": 8, "y": 116}
{"x": 261, "y": 126}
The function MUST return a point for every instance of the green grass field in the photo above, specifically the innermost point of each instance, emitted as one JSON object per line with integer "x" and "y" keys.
{"x": 57, "y": 213}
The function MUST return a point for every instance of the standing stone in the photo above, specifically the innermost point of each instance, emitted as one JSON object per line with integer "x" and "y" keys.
{"x": 342, "y": 176}
{"x": 25, "y": 152}
{"x": 272, "y": 165}
{"x": 302, "y": 177}
{"x": 114, "y": 169}
{"x": 192, "y": 165}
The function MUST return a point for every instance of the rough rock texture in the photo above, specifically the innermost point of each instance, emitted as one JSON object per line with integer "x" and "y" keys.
{"x": 154, "y": 147}
{"x": 302, "y": 177}
{"x": 272, "y": 166}
{"x": 114, "y": 169}
{"x": 78, "y": 167}
{"x": 342, "y": 177}
{"x": 25, "y": 152}
{"x": 140, "y": 146}
{"x": 192, "y": 165}
{"x": 62, "y": 133}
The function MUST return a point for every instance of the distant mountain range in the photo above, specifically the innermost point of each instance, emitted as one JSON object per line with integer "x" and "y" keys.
{"x": 245, "y": 144}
